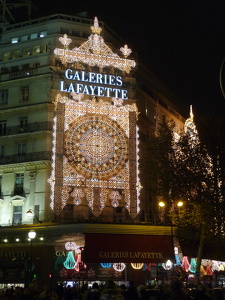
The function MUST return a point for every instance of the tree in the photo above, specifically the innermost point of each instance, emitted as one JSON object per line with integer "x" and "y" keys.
{"x": 182, "y": 168}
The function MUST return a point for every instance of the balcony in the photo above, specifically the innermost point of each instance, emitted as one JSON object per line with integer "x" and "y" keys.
{"x": 31, "y": 127}
{"x": 23, "y": 73}
{"x": 28, "y": 157}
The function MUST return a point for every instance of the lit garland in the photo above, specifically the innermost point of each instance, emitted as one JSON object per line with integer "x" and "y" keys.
{"x": 94, "y": 52}
{"x": 185, "y": 264}
{"x": 168, "y": 265}
{"x": 193, "y": 265}
{"x": 70, "y": 246}
{"x": 70, "y": 262}
{"x": 106, "y": 265}
{"x": 119, "y": 267}
{"x": 137, "y": 266}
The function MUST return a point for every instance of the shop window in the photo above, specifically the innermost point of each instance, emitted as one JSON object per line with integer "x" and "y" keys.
{"x": 36, "y": 49}
{"x": 19, "y": 182}
{"x": 33, "y": 35}
{"x": 2, "y": 151}
{"x": 21, "y": 149}
{"x": 16, "y": 54}
{"x": 24, "y": 38}
{"x": 24, "y": 94}
{"x": 14, "y": 40}
{"x": 43, "y": 34}
{"x": 3, "y": 125}
{"x": 6, "y": 56}
{"x": 17, "y": 215}
{"x": 4, "y": 97}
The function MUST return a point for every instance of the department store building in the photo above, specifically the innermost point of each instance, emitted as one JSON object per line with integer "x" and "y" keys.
{"x": 77, "y": 106}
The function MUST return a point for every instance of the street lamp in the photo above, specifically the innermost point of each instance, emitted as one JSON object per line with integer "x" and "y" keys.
{"x": 31, "y": 236}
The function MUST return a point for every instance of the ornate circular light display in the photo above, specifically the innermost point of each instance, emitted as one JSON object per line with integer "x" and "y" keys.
{"x": 96, "y": 146}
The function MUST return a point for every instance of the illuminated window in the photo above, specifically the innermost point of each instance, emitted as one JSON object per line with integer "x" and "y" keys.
{"x": 19, "y": 184}
{"x": 16, "y": 54}
{"x": 36, "y": 49}
{"x": 4, "y": 97}
{"x": 14, "y": 40}
{"x": 24, "y": 37}
{"x": 24, "y": 94}
{"x": 6, "y": 56}
{"x": 26, "y": 52}
{"x": 3, "y": 125}
{"x": 33, "y": 35}
{"x": 43, "y": 34}
{"x": 21, "y": 149}
{"x": 17, "y": 215}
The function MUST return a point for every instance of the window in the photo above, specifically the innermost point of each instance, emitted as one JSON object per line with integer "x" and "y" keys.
{"x": 25, "y": 66}
{"x": 15, "y": 68}
{"x": 33, "y": 35}
{"x": 21, "y": 149}
{"x": 43, "y": 34}
{"x": 4, "y": 97}
{"x": 17, "y": 215}
{"x": 16, "y": 54}
{"x": 24, "y": 93}
{"x": 6, "y": 56}
{"x": 24, "y": 37}
{"x": 2, "y": 151}
{"x": 3, "y": 125}
{"x": 147, "y": 109}
{"x": 23, "y": 124}
{"x": 26, "y": 52}
{"x": 19, "y": 184}
{"x": 37, "y": 211}
{"x": 36, "y": 50}
{"x": 14, "y": 40}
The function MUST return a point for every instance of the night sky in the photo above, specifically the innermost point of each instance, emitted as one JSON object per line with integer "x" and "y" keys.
{"x": 182, "y": 41}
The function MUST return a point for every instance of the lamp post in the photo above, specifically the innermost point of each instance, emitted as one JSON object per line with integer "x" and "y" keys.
{"x": 31, "y": 236}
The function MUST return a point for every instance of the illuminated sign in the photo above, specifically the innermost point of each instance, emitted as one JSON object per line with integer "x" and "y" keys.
{"x": 92, "y": 84}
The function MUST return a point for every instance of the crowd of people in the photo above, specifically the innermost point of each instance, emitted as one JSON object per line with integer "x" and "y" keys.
{"x": 111, "y": 291}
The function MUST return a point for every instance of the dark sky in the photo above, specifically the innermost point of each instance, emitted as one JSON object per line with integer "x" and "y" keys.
{"x": 183, "y": 41}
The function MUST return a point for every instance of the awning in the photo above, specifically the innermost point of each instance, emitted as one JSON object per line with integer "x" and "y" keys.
{"x": 127, "y": 248}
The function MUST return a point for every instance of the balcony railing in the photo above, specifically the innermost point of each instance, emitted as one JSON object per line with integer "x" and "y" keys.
{"x": 23, "y": 73}
{"x": 28, "y": 157}
{"x": 31, "y": 127}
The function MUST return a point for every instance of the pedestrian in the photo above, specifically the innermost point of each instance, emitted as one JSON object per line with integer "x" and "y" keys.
{"x": 94, "y": 292}
{"x": 111, "y": 292}
{"x": 178, "y": 293}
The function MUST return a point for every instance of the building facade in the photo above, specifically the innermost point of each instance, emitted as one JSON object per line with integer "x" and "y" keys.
{"x": 75, "y": 115}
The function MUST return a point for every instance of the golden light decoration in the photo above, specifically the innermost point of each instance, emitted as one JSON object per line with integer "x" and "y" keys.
{"x": 94, "y": 52}
{"x": 98, "y": 143}
{"x": 137, "y": 266}
{"x": 119, "y": 267}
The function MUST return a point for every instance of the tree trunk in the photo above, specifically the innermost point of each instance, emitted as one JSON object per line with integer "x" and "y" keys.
{"x": 199, "y": 258}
